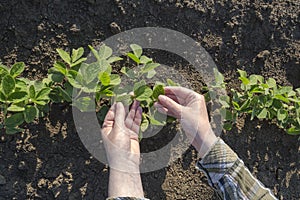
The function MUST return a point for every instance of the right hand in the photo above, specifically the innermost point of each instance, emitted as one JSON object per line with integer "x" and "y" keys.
{"x": 190, "y": 109}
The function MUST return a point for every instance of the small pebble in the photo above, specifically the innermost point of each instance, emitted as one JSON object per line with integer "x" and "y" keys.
{"x": 22, "y": 165}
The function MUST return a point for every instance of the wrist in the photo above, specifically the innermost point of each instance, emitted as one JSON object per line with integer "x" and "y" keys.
{"x": 204, "y": 142}
{"x": 124, "y": 184}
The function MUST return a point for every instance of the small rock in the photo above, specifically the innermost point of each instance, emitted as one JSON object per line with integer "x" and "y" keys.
{"x": 115, "y": 28}
{"x": 3, "y": 139}
{"x": 263, "y": 54}
{"x": 75, "y": 28}
{"x": 2, "y": 180}
{"x": 22, "y": 165}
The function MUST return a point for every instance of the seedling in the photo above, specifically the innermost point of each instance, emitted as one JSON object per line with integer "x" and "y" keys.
{"x": 85, "y": 85}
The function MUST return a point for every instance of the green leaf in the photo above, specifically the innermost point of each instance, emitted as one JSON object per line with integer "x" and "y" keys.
{"x": 76, "y": 54}
{"x": 125, "y": 99}
{"x": 17, "y": 97}
{"x": 139, "y": 84}
{"x": 298, "y": 91}
{"x": 32, "y": 92}
{"x": 8, "y": 84}
{"x": 245, "y": 105}
{"x": 64, "y": 55}
{"x": 14, "y": 120}
{"x": 102, "y": 113}
{"x": 134, "y": 58}
{"x": 128, "y": 72}
{"x": 236, "y": 105}
{"x": 285, "y": 90}
{"x": 104, "y": 78}
{"x": 255, "y": 78}
{"x": 256, "y": 90}
{"x": 242, "y": 73}
{"x": 158, "y": 119}
{"x": 158, "y": 90}
{"x": 144, "y": 124}
{"x": 143, "y": 93}
{"x": 115, "y": 79}
{"x": 61, "y": 67}
{"x": 114, "y": 59}
{"x": 13, "y": 130}
{"x": 282, "y": 98}
{"x": 294, "y": 130}
{"x": 291, "y": 93}
{"x": 75, "y": 79}
{"x": 226, "y": 114}
{"x": 145, "y": 59}
{"x": 84, "y": 104}
{"x": 30, "y": 113}
{"x": 104, "y": 52}
{"x": 2, "y": 97}
{"x": 282, "y": 114}
{"x": 149, "y": 67}
{"x": 56, "y": 77}
{"x": 17, "y": 69}
{"x": 94, "y": 52}
{"x": 40, "y": 102}
{"x": 3, "y": 69}
{"x": 271, "y": 83}
{"x": 137, "y": 50}
{"x": 225, "y": 101}
{"x": 89, "y": 71}
{"x": 218, "y": 77}
{"x": 171, "y": 83}
{"x": 65, "y": 95}
{"x": 227, "y": 126}
{"x": 43, "y": 94}
{"x": 151, "y": 74}
{"x": 244, "y": 80}
{"x": 263, "y": 114}
{"x": 15, "y": 108}
{"x": 78, "y": 62}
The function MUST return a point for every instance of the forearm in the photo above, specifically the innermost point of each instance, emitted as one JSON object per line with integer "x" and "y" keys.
{"x": 229, "y": 176}
{"x": 123, "y": 184}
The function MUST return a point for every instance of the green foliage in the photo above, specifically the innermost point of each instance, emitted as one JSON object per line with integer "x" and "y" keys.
{"x": 21, "y": 100}
{"x": 85, "y": 85}
{"x": 262, "y": 99}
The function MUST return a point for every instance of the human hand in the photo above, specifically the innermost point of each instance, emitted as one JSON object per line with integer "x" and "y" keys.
{"x": 120, "y": 136}
{"x": 190, "y": 108}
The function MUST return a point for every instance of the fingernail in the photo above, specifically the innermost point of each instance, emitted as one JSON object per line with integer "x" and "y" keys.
{"x": 161, "y": 97}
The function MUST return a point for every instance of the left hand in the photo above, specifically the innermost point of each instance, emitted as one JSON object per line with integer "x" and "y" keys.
{"x": 120, "y": 136}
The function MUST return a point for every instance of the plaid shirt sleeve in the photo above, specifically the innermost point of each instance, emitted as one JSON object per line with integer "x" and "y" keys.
{"x": 228, "y": 175}
{"x": 126, "y": 198}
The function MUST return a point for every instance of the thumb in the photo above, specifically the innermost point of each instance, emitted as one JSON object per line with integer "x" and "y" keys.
{"x": 173, "y": 108}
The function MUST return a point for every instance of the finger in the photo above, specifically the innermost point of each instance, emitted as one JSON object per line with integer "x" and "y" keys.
{"x": 160, "y": 108}
{"x": 179, "y": 92}
{"x": 109, "y": 119}
{"x": 137, "y": 121}
{"x": 120, "y": 114}
{"x": 173, "y": 108}
{"x": 131, "y": 114}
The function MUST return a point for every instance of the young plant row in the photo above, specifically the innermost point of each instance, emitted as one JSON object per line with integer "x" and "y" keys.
{"x": 83, "y": 85}
{"x": 263, "y": 99}
{"x": 92, "y": 85}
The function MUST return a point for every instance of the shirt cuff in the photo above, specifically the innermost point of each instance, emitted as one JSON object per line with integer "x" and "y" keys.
{"x": 126, "y": 198}
{"x": 217, "y": 161}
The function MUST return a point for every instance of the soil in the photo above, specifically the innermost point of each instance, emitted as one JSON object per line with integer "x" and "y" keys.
{"x": 48, "y": 160}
